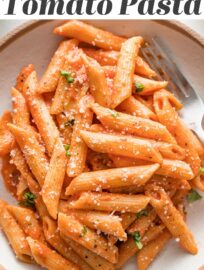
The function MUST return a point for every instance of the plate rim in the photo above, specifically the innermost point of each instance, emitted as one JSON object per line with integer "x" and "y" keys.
{"x": 25, "y": 27}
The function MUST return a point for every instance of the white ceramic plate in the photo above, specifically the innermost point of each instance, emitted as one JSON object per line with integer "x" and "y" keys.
{"x": 35, "y": 43}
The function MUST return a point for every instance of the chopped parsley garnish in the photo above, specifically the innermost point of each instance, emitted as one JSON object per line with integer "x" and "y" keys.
{"x": 193, "y": 196}
{"x": 114, "y": 113}
{"x": 67, "y": 147}
{"x": 142, "y": 213}
{"x": 69, "y": 123}
{"x": 83, "y": 231}
{"x": 137, "y": 239}
{"x": 28, "y": 200}
{"x": 67, "y": 76}
{"x": 139, "y": 87}
{"x": 202, "y": 170}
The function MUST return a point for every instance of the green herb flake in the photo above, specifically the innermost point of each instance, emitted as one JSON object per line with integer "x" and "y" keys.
{"x": 193, "y": 196}
{"x": 83, "y": 231}
{"x": 28, "y": 200}
{"x": 67, "y": 147}
{"x": 114, "y": 113}
{"x": 142, "y": 213}
{"x": 137, "y": 239}
{"x": 67, "y": 76}
{"x": 69, "y": 123}
{"x": 202, "y": 170}
{"x": 139, "y": 87}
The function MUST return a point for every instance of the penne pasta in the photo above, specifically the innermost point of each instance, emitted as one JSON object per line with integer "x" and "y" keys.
{"x": 109, "y": 202}
{"x": 104, "y": 222}
{"x": 172, "y": 219}
{"x": 112, "y": 178}
{"x": 96, "y": 262}
{"x": 168, "y": 116}
{"x": 48, "y": 258}
{"x": 134, "y": 107}
{"x": 15, "y": 234}
{"x": 144, "y": 86}
{"x": 54, "y": 179}
{"x": 53, "y": 238}
{"x": 21, "y": 187}
{"x": 78, "y": 150}
{"x": 26, "y": 218}
{"x": 89, "y": 34}
{"x": 19, "y": 161}
{"x": 21, "y": 115}
{"x": 125, "y": 70}
{"x": 97, "y": 81}
{"x": 130, "y": 248}
{"x": 7, "y": 140}
{"x": 132, "y": 124}
{"x": 70, "y": 227}
{"x": 110, "y": 58}
{"x": 22, "y": 76}
{"x": 40, "y": 113}
{"x": 50, "y": 78}
{"x": 32, "y": 151}
{"x": 151, "y": 250}
{"x": 121, "y": 145}
{"x": 63, "y": 84}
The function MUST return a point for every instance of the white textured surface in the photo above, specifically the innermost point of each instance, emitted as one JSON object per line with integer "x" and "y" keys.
{"x": 32, "y": 48}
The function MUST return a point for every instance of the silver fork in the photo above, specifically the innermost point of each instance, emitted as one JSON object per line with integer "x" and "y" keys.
{"x": 155, "y": 53}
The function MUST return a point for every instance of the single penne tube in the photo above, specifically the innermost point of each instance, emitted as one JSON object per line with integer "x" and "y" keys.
{"x": 27, "y": 220}
{"x": 125, "y": 70}
{"x": 72, "y": 228}
{"x": 22, "y": 76}
{"x": 21, "y": 115}
{"x": 175, "y": 169}
{"x": 48, "y": 258}
{"x": 40, "y": 113}
{"x": 49, "y": 80}
{"x": 63, "y": 85}
{"x": 21, "y": 187}
{"x": 104, "y": 222}
{"x": 78, "y": 148}
{"x": 172, "y": 219}
{"x": 111, "y": 178}
{"x": 96, "y": 262}
{"x": 15, "y": 234}
{"x": 97, "y": 81}
{"x": 132, "y": 124}
{"x": 110, "y": 58}
{"x": 7, "y": 141}
{"x": 52, "y": 236}
{"x": 109, "y": 202}
{"x": 54, "y": 179}
{"x": 32, "y": 151}
{"x": 134, "y": 107}
{"x": 146, "y": 255}
{"x": 121, "y": 145}
{"x": 129, "y": 248}
{"x": 90, "y": 34}
{"x": 144, "y": 86}
{"x": 168, "y": 116}
{"x": 19, "y": 161}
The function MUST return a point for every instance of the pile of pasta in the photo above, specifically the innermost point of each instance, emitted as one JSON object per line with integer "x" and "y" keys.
{"x": 97, "y": 157}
